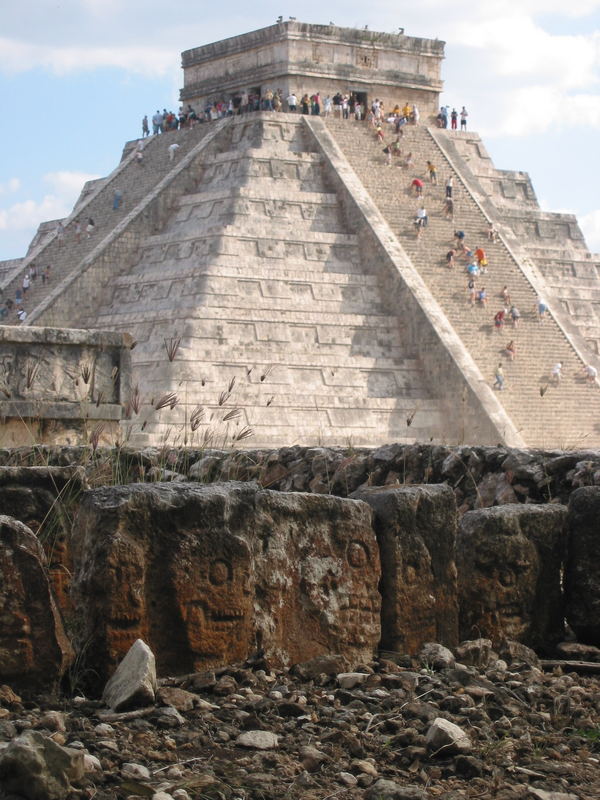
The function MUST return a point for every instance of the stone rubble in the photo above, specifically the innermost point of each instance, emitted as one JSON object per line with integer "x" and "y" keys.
{"x": 510, "y": 731}
{"x": 535, "y": 476}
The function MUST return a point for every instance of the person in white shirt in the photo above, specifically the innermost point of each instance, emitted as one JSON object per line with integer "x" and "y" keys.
{"x": 555, "y": 372}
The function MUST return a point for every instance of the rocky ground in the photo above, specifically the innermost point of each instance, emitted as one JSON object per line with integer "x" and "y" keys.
{"x": 327, "y": 729}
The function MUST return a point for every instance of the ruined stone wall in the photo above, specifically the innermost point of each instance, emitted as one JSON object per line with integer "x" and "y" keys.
{"x": 57, "y": 384}
{"x": 227, "y": 571}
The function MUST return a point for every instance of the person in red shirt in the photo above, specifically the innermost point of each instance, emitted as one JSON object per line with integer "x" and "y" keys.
{"x": 499, "y": 320}
{"x": 481, "y": 257}
{"x": 417, "y": 185}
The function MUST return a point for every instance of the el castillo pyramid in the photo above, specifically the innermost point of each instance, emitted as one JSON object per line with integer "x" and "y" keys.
{"x": 271, "y": 279}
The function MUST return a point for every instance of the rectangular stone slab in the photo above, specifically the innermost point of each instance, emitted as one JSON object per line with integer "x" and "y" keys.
{"x": 582, "y": 573}
{"x": 316, "y": 577}
{"x": 416, "y": 532}
{"x": 34, "y": 649}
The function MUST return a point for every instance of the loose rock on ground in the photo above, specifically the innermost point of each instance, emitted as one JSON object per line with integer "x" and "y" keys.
{"x": 519, "y": 732}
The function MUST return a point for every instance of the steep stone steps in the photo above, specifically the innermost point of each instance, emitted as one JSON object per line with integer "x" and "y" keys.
{"x": 134, "y": 181}
{"x": 539, "y": 345}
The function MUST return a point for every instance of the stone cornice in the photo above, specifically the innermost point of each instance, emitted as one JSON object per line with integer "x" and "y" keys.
{"x": 287, "y": 31}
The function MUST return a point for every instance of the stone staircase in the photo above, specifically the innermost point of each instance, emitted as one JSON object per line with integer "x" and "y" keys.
{"x": 257, "y": 278}
{"x": 546, "y": 415}
{"x": 135, "y": 181}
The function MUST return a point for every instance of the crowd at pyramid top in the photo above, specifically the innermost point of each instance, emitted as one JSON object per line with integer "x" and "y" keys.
{"x": 344, "y": 106}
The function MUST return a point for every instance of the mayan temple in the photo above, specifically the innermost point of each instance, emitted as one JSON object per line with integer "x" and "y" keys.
{"x": 270, "y": 278}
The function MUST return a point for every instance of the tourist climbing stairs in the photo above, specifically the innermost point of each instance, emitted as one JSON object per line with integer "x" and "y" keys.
{"x": 64, "y": 254}
{"x": 543, "y": 411}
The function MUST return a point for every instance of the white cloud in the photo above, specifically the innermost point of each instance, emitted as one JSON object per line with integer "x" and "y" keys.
{"x": 522, "y": 77}
{"x": 18, "y": 56}
{"x": 10, "y": 186}
{"x": 590, "y": 225}
{"x": 518, "y": 48}
{"x": 55, "y": 204}
{"x": 67, "y": 184}
{"x": 101, "y": 8}
{"x": 535, "y": 109}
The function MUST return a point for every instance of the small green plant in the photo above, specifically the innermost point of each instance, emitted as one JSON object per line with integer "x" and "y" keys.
{"x": 591, "y": 735}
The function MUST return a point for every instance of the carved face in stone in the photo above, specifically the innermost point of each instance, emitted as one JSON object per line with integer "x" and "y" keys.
{"x": 16, "y": 648}
{"x": 339, "y": 581}
{"x": 120, "y": 590}
{"x": 212, "y": 583}
{"x": 415, "y": 590}
{"x": 360, "y": 600}
{"x": 498, "y": 579}
{"x": 316, "y": 577}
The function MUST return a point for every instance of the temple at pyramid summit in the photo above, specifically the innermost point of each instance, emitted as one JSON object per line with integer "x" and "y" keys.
{"x": 271, "y": 281}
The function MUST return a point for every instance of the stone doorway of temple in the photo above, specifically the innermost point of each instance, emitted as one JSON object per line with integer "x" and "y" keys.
{"x": 362, "y": 98}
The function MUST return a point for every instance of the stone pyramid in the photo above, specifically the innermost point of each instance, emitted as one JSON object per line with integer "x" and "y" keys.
{"x": 272, "y": 281}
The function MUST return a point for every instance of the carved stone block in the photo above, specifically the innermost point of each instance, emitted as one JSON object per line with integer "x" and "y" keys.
{"x": 316, "y": 577}
{"x": 509, "y": 561}
{"x": 209, "y": 575}
{"x": 582, "y": 573}
{"x": 416, "y": 532}
{"x": 34, "y": 649}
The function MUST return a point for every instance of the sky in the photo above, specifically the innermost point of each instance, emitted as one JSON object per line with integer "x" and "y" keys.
{"x": 77, "y": 76}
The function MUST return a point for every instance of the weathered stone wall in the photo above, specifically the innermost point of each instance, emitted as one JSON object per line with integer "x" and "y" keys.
{"x": 210, "y": 574}
{"x": 509, "y": 562}
{"x": 479, "y": 476}
{"x": 582, "y": 579}
{"x": 34, "y": 650}
{"x": 56, "y": 383}
{"x": 416, "y": 534}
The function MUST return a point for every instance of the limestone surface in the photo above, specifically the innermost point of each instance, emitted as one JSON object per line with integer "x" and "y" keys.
{"x": 134, "y": 681}
{"x": 211, "y": 574}
{"x": 44, "y": 498}
{"x": 446, "y": 738}
{"x": 36, "y": 768}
